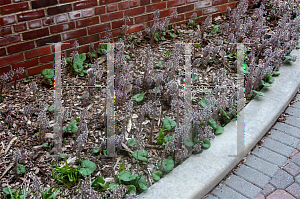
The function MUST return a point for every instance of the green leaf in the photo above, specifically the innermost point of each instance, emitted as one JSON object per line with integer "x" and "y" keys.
{"x": 270, "y": 79}
{"x": 168, "y": 139}
{"x": 167, "y": 52}
{"x": 156, "y": 36}
{"x": 78, "y": 67}
{"x": 131, "y": 188}
{"x": 224, "y": 113}
{"x": 156, "y": 175}
{"x": 164, "y": 33}
{"x": 52, "y": 94}
{"x": 46, "y": 144}
{"x": 87, "y": 167}
{"x": 159, "y": 63}
{"x": 276, "y": 74}
{"x": 215, "y": 30}
{"x": 142, "y": 184}
{"x": 230, "y": 56}
{"x": 51, "y": 108}
{"x": 93, "y": 53}
{"x": 126, "y": 176}
{"x": 194, "y": 76}
{"x": 172, "y": 35}
{"x": 265, "y": 84}
{"x": 169, "y": 123}
{"x": 160, "y": 138}
{"x": 162, "y": 38}
{"x": 259, "y": 93}
{"x": 48, "y": 73}
{"x": 138, "y": 97}
{"x": 20, "y": 169}
{"x": 131, "y": 142}
{"x": 198, "y": 45}
{"x": 219, "y": 130}
{"x": 142, "y": 155}
{"x": 206, "y": 144}
{"x": 168, "y": 164}
{"x": 82, "y": 56}
{"x": 8, "y": 190}
{"x": 298, "y": 47}
{"x": 96, "y": 150}
{"x": 127, "y": 56}
{"x": 212, "y": 123}
{"x": 203, "y": 102}
{"x": 68, "y": 60}
{"x": 187, "y": 141}
{"x": 97, "y": 181}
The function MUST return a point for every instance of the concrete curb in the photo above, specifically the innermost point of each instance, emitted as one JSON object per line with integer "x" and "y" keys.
{"x": 200, "y": 173}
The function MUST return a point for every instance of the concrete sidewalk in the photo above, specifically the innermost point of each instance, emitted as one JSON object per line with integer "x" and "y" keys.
{"x": 272, "y": 170}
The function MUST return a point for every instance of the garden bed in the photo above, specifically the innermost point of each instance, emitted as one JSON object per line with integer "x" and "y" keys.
{"x": 150, "y": 95}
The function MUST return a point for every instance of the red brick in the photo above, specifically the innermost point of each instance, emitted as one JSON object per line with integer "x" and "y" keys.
{"x": 119, "y": 23}
{"x": 98, "y": 28}
{"x": 20, "y": 27}
{"x": 48, "y": 21}
{"x": 144, "y": 18}
{"x": 145, "y": 2}
{"x": 62, "y": 27}
{"x": 34, "y": 24}
{"x": 135, "y": 11}
{"x": 20, "y": 47}
{"x": 87, "y": 22}
{"x": 224, "y": 7}
{"x": 4, "y": 69}
{"x": 173, "y": 3}
{"x": 47, "y": 58}
{"x": 75, "y": 15}
{"x": 38, "y": 52}
{"x": 59, "y": 9}
{"x": 47, "y": 40}
{"x": 218, "y": 2}
{"x": 180, "y": 17}
{"x": 26, "y": 64}
{"x": 7, "y": 20}
{"x": 134, "y": 3}
{"x": 66, "y": 1}
{"x": 31, "y": 15}
{"x": 3, "y": 2}
{"x": 111, "y": 16}
{"x": 38, "y": 69}
{"x": 100, "y": 10}
{"x": 111, "y": 1}
{"x": 10, "y": 40}
{"x": 123, "y": 5}
{"x": 210, "y": 10}
{"x": 85, "y": 4}
{"x": 136, "y": 28}
{"x": 2, "y": 51}
{"x": 114, "y": 32}
{"x": 5, "y": 30}
{"x": 166, "y": 13}
{"x": 191, "y": 1}
{"x": 158, "y": 6}
{"x": 11, "y": 59}
{"x": 42, "y": 3}
{"x": 185, "y": 8}
{"x": 112, "y": 7}
{"x": 155, "y": 1}
{"x": 88, "y": 39}
{"x": 203, "y": 4}
{"x": 74, "y": 34}
{"x": 188, "y": 15}
{"x": 14, "y": 8}
{"x": 61, "y": 18}
{"x": 35, "y": 34}
{"x": 88, "y": 12}
{"x": 83, "y": 49}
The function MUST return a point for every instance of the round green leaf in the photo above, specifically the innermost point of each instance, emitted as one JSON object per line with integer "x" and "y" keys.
{"x": 96, "y": 150}
{"x": 156, "y": 175}
{"x": 259, "y": 93}
{"x": 138, "y": 97}
{"x": 20, "y": 169}
{"x": 131, "y": 142}
{"x": 168, "y": 164}
{"x": 203, "y": 102}
{"x": 131, "y": 188}
{"x": 142, "y": 155}
{"x": 219, "y": 130}
{"x": 126, "y": 176}
{"x": 48, "y": 73}
{"x": 169, "y": 123}
{"x": 6, "y": 190}
{"x": 88, "y": 167}
{"x": 206, "y": 144}
{"x": 142, "y": 184}
{"x": 51, "y": 108}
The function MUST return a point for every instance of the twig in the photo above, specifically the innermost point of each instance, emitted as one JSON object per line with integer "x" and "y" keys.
{"x": 153, "y": 146}
{"x": 8, "y": 168}
{"x": 9, "y": 145}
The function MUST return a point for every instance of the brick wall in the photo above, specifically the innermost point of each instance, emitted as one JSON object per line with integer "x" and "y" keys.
{"x": 27, "y": 26}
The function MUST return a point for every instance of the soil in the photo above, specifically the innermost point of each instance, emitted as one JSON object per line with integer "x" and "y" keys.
{"x": 23, "y": 132}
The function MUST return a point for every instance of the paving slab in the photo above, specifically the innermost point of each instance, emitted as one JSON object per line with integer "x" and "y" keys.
{"x": 253, "y": 176}
{"x": 296, "y": 159}
{"x": 293, "y": 111}
{"x": 282, "y": 180}
{"x": 284, "y": 138}
{"x": 242, "y": 186}
{"x": 296, "y": 105}
{"x": 201, "y": 173}
{"x": 280, "y": 194}
{"x": 261, "y": 165}
{"x": 225, "y": 192}
{"x": 292, "y": 168}
{"x": 294, "y": 190}
{"x": 269, "y": 156}
{"x": 268, "y": 189}
{"x": 210, "y": 197}
{"x": 297, "y": 179}
{"x": 295, "y": 121}
{"x": 288, "y": 129}
{"x": 278, "y": 147}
